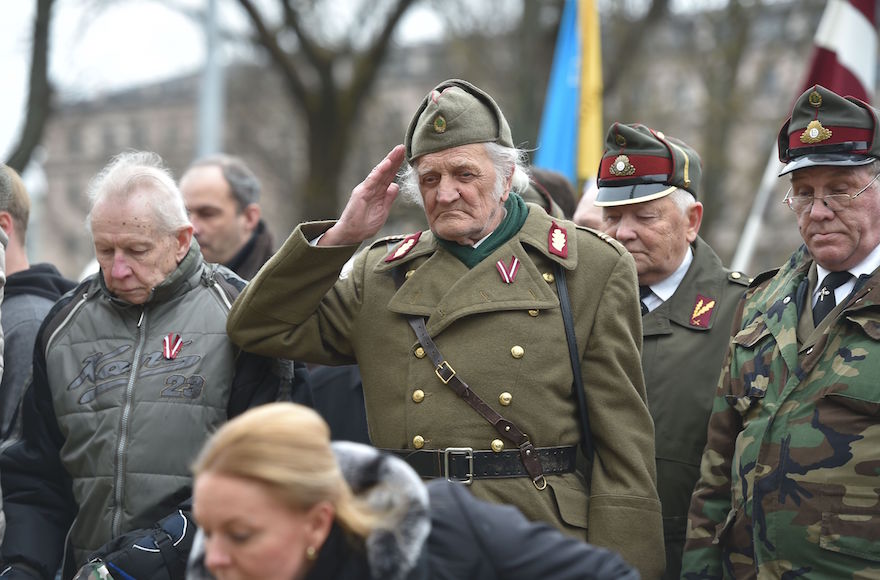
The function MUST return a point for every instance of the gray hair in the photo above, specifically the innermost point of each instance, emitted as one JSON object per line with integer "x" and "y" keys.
{"x": 14, "y": 199}
{"x": 683, "y": 199}
{"x": 132, "y": 171}
{"x": 506, "y": 160}
{"x": 243, "y": 183}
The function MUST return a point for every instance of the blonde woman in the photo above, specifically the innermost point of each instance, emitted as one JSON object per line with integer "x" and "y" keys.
{"x": 276, "y": 500}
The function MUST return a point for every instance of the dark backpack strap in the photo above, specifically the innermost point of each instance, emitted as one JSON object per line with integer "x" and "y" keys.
{"x": 577, "y": 385}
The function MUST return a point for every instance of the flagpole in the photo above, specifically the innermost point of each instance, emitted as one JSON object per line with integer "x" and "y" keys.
{"x": 746, "y": 248}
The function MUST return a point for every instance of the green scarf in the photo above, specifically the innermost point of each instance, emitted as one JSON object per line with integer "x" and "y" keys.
{"x": 517, "y": 212}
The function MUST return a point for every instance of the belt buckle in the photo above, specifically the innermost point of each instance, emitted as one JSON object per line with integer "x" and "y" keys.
{"x": 468, "y": 453}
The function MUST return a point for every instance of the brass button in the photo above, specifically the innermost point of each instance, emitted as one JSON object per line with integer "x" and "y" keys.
{"x": 533, "y": 312}
{"x": 517, "y": 351}
{"x": 548, "y": 277}
{"x": 497, "y": 445}
{"x": 419, "y": 352}
{"x": 409, "y": 273}
{"x": 418, "y": 396}
{"x": 735, "y": 275}
{"x": 505, "y": 398}
{"x": 418, "y": 441}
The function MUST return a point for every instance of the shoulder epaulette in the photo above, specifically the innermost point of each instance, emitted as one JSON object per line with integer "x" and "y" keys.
{"x": 392, "y": 239}
{"x": 739, "y": 278}
{"x": 762, "y": 277}
{"x": 604, "y": 237}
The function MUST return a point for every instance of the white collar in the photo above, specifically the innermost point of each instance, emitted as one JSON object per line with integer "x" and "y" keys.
{"x": 665, "y": 288}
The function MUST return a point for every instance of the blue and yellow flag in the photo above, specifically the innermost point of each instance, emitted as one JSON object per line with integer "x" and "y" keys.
{"x": 571, "y": 136}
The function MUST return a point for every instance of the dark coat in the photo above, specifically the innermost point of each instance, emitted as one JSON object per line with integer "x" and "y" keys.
{"x": 682, "y": 356}
{"x": 444, "y": 534}
{"x": 256, "y": 252}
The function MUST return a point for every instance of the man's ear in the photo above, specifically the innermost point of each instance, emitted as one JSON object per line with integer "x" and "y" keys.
{"x": 184, "y": 238}
{"x": 6, "y": 223}
{"x": 695, "y": 218}
{"x": 252, "y": 214}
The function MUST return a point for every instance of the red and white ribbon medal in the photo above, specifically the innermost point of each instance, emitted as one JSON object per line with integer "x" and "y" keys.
{"x": 171, "y": 346}
{"x": 508, "y": 274}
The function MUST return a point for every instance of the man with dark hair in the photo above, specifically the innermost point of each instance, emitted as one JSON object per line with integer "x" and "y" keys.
{"x": 498, "y": 408}
{"x": 789, "y": 479}
{"x": 222, "y": 197}
{"x": 31, "y": 290}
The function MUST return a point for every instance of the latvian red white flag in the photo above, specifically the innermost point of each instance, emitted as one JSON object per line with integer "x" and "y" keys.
{"x": 845, "y": 55}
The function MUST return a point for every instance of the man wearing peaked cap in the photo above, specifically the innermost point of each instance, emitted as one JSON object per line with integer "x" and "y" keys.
{"x": 482, "y": 280}
{"x": 648, "y": 186}
{"x": 789, "y": 479}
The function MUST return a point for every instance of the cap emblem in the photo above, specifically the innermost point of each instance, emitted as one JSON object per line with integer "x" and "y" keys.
{"x": 620, "y": 140}
{"x": 815, "y": 99}
{"x": 815, "y": 132}
{"x": 622, "y": 166}
{"x": 440, "y": 124}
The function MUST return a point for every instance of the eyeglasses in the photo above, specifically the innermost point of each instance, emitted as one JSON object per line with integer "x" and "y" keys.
{"x": 802, "y": 203}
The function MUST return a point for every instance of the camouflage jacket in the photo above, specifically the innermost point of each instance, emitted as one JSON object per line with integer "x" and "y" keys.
{"x": 789, "y": 478}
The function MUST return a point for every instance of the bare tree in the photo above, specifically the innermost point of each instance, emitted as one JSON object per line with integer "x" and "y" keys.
{"x": 327, "y": 78}
{"x": 39, "y": 92}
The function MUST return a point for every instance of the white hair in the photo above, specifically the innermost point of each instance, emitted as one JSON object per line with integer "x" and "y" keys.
{"x": 507, "y": 161}
{"x": 683, "y": 199}
{"x": 134, "y": 171}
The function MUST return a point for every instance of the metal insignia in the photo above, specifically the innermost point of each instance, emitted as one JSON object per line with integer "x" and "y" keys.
{"x": 815, "y": 99}
{"x": 440, "y": 124}
{"x": 815, "y": 132}
{"x": 621, "y": 140}
{"x": 622, "y": 166}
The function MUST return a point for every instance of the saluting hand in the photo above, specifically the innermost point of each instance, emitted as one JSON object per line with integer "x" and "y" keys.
{"x": 368, "y": 207}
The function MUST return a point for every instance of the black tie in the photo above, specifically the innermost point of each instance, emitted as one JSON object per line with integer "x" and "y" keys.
{"x": 644, "y": 292}
{"x": 826, "y": 301}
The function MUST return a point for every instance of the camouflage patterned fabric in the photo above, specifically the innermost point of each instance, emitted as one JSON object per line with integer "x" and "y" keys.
{"x": 790, "y": 478}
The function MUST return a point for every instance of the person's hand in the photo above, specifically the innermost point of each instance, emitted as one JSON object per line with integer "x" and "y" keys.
{"x": 368, "y": 207}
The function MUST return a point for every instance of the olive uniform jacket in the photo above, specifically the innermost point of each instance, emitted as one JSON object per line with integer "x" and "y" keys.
{"x": 789, "y": 480}
{"x": 684, "y": 343}
{"x": 500, "y": 338}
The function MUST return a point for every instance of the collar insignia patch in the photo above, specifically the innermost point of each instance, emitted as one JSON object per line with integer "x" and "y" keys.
{"x": 557, "y": 241}
{"x": 702, "y": 311}
{"x": 508, "y": 274}
{"x": 408, "y": 243}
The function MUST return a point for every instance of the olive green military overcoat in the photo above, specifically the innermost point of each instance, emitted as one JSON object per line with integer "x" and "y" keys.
{"x": 684, "y": 343}
{"x": 500, "y": 338}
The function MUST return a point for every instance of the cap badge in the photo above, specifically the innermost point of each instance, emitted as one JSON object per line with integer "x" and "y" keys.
{"x": 171, "y": 346}
{"x": 815, "y": 99}
{"x": 508, "y": 274}
{"x": 557, "y": 241}
{"x": 622, "y": 166}
{"x": 620, "y": 140}
{"x": 815, "y": 132}
{"x": 440, "y": 124}
{"x": 702, "y": 311}
{"x": 405, "y": 246}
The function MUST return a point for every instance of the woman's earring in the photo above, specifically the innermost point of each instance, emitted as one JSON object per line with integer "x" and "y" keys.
{"x": 311, "y": 553}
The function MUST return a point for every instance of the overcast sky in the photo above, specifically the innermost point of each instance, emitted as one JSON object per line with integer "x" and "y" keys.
{"x": 96, "y": 50}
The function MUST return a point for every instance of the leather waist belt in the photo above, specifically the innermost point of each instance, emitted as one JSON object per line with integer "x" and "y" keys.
{"x": 463, "y": 464}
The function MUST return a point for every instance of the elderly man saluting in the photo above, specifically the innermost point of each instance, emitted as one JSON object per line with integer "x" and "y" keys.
{"x": 789, "y": 477}
{"x": 459, "y": 332}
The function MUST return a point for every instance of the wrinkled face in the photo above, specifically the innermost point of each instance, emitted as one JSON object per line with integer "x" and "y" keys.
{"x": 656, "y": 233}
{"x": 220, "y": 225}
{"x": 134, "y": 253}
{"x": 457, "y": 187}
{"x": 838, "y": 240}
{"x": 249, "y": 534}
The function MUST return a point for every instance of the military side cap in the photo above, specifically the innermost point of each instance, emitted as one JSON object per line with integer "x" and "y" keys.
{"x": 640, "y": 164}
{"x": 455, "y": 113}
{"x": 827, "y": 129}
